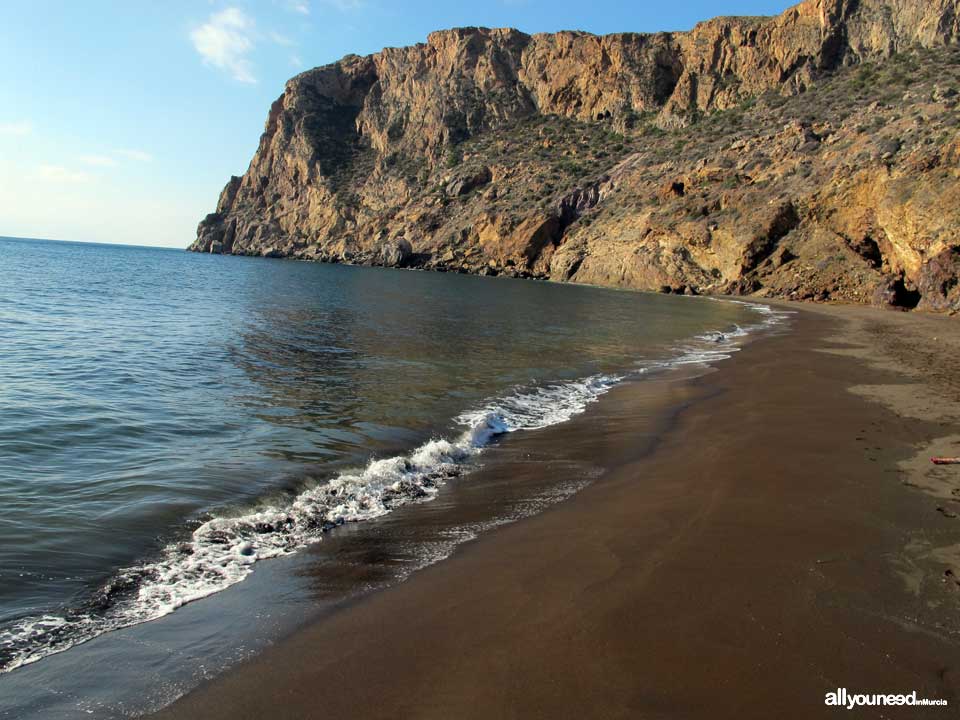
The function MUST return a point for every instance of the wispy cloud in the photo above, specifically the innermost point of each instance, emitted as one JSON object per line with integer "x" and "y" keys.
{"x": 111, "y": 159}
{"x": 303, "y": 6}
{"x": 295, "y": 61}
{"x": 225, "y": 41}
{"x": 280, "y": 39}
{"x": 21, "y": 127}
{"x": 345, "y": 5}
{"x": 60, "y": 174}
{"x": 98, "y": 160}
{"x": 138, "y": 155}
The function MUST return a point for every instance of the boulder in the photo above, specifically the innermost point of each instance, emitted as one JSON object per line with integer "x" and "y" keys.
{"x": 395, "y": 253}
{"x": 466, "y": 182}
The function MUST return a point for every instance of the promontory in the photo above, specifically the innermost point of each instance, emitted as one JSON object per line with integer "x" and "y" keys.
{"x": 812, "y": 155}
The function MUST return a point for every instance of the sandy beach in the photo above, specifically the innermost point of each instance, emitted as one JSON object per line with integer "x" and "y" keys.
{"x": 462, "y": 361}
{"x": 755, "y": 538}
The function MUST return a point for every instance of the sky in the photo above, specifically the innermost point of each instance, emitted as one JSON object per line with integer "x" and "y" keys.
{"x": 121, "y": 121}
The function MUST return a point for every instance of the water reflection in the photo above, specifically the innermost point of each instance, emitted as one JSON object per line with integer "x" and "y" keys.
{"x": 142, "y": 389}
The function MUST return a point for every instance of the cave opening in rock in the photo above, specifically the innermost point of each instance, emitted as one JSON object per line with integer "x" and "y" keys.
{"x": 869, "y": 250}
{"x": 904, "y": 297}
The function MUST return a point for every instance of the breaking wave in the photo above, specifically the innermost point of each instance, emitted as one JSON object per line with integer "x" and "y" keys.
{"x": 221, "y": 551}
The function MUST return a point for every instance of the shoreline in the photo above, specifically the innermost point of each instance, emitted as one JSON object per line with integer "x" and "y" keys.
{"x": 680, "y": 584}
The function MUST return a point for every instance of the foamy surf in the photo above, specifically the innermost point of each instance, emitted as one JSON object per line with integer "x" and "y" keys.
{"x": 222, "y": 551}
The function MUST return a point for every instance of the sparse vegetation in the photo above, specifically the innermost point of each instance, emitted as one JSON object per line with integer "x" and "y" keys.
{"x": 686, "y": 180}
{"x": 454, "y": 157}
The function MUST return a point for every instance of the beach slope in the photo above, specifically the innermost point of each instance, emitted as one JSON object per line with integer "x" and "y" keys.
{"x": 782, "y": 535}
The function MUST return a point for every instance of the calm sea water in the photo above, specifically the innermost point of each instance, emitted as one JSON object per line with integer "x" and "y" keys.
{"x": 169, "y": 419}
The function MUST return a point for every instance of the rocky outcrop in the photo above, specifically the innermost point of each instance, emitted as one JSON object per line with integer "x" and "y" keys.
{"x": 395, "y": 253}
{"x": 806, "y": 155}
{"x": 938, "y": 287}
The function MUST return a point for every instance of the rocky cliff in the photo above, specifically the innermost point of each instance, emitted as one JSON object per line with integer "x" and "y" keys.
{"x": 810, "y": 155}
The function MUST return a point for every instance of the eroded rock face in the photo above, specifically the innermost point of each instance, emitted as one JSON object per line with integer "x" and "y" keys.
{"x": 938, "y": 284}
{"x": 469, "y": 181}
{"x": 600, "y": 159}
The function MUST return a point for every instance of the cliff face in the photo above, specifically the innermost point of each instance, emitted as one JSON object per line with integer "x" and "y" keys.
{"x": 813, "y": 154}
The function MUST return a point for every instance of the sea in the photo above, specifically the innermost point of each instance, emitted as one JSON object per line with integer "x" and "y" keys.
{"x": 180, "y": 433}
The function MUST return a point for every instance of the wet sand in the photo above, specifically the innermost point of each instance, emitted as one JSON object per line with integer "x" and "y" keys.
{"x": 754, "y": 538}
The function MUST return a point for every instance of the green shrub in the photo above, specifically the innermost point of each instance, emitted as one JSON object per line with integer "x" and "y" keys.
{"x": 454, "y": 157}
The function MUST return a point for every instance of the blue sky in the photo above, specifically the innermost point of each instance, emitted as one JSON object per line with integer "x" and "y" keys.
{"x": 121, "y": 121}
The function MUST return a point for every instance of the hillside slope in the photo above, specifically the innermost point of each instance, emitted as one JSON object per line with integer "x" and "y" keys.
{"x": 810, "y": 155}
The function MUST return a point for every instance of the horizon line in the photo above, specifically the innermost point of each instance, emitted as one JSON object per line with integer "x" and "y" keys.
{"x": 91, "y": 242}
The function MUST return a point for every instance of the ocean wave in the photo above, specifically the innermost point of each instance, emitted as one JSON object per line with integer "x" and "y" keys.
{"x": 222, "y": 551}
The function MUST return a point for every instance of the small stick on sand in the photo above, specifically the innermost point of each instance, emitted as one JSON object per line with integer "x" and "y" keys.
{"x": 945, "y": 460}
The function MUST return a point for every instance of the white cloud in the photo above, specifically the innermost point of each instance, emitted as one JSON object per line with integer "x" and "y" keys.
{"x": 345, "y": 5}
{"x": 138, "y": 155}
{"x": 111, "y": 160}
{"x": 224, "y": 41}
{"x": 16, "y": 128}
{"x": 280, "y": 39}
{"x": 98, "y": 160}
{"x": 60, "y": 174}
{"x": 295, "y": 61}
{"x": 299, "y": 6}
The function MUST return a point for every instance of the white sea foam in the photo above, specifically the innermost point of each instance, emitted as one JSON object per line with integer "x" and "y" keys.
{"x": 222, "y": 551}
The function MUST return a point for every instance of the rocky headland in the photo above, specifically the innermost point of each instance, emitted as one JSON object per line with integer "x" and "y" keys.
{"x": 812, "y": 155}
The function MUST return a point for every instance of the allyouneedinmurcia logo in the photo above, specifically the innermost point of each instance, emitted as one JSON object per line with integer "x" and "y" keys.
{"x": 842, "y": 698}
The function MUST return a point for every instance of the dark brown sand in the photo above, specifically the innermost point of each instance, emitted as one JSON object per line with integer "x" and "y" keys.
{"x": 783, "y": 536}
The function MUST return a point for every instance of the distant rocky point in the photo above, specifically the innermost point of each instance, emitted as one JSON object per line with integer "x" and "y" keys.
{"x": 812, "y": 155}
